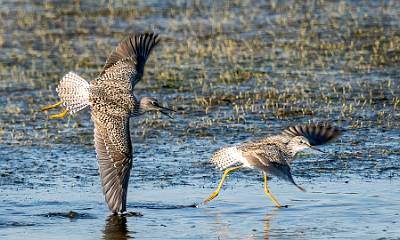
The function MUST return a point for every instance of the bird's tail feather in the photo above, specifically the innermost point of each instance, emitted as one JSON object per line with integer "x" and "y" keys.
{"x": 74, "y": 92}
{"x": 226, "y": 157}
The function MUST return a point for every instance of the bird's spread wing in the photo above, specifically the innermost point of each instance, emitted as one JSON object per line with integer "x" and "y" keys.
{"x": 271, "y": 159}
{"x": 114, "y": 155}
{"x": 315, "y": 133}
{"x": 131, "y": 53}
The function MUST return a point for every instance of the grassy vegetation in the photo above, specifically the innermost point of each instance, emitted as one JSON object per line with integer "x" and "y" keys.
{"x": 240, "y": 65}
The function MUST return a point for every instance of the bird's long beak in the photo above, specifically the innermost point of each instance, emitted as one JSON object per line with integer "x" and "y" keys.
{"x": 316, "y": 149}
{"x": 166, "y": 111}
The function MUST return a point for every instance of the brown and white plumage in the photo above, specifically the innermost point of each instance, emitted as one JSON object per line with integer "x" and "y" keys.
{"x": 316, "y": 134}
{"x": 274, "y": 154}
{"x": 74, "y": 90}
{"x": 112, "y": 102}
{"x": 114, "y": 155}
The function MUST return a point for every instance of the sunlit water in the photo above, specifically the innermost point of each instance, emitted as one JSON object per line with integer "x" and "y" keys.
{"x": 233, "y": 72}
{"x": 339, "y": 209}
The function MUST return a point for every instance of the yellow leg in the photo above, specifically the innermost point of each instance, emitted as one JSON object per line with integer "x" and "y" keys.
{"x": 51, "y": 106}
{"x": 216, "y": 192}
{"x": 60, "y": 115}
{"x": 273, "y": 199}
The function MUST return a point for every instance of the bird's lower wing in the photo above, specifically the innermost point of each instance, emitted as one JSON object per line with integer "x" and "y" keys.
{"x": 114, "y": 155}
{"x": 270, "y": 159}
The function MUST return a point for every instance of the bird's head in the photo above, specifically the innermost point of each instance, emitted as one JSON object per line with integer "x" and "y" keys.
{"x": 149, "y": 104}
{"x": 300, "y": 143}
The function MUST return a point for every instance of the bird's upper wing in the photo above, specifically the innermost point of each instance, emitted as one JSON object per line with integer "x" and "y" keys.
{"x": 114, "y": 155}
{"x": 262, "y": 155}
{"x": 316, "y": 134}
{"x": 129, "y": 57}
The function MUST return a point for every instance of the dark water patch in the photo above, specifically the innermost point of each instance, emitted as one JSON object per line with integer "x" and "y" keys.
{"x": 132, "y": 214}
{"x": 71, "y": 215}
{"x": 16, "y": 224}
{"x": 339, "y": 193}
{"x": 335, "y": 193}
{"x": 160, "y": 206}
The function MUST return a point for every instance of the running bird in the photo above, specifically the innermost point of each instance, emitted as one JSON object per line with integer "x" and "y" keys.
{"x": 272, "y": 154}
{"x": 112, "y": 103}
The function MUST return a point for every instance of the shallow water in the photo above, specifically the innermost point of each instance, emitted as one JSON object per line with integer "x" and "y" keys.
{"x": 233, "y": 71}
{"x": 350, "y": 209}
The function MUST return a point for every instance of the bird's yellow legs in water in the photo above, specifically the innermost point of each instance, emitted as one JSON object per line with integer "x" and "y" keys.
{"x": 266, "y": 190}
{"x": 216, "y": 192}
{"x": 59, "y": 115}
{"x": 226, "y": 172}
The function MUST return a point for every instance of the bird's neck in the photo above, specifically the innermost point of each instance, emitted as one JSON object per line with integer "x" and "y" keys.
{"x": 292, "y": 150}
{"x": 137, "y": 108}
{"x": 293, "y": 153}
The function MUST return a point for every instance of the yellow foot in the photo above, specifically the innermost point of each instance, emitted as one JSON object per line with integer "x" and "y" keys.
{"x": 51, "y": 106}
{"x": 273, "y": 199}
{"x": 211, "y": 197}
{"x": 266, "y": 190}
{"x": 216, "y": 192}
{"x": 60, "y": 115}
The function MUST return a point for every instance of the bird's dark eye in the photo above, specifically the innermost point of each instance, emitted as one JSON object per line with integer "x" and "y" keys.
{"x": 301, "y": 141}
{"x": 154, "y": 103}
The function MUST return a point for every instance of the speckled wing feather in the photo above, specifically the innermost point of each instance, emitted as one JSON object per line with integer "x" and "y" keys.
{"x": 271, "y": 159}
{"x": 266, "y": 154}
{"x": 114, "y": 155}
{"x": 315, "y": 133}
{"x": 131, "y": 53}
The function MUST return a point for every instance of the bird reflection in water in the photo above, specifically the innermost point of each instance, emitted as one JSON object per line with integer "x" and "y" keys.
{"x": 225, "y": 228}
{"x": 265, "y": 231}
{"x": 267, "y": 226}
{"x": 116, "y": 228}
